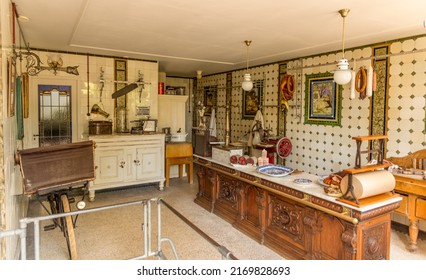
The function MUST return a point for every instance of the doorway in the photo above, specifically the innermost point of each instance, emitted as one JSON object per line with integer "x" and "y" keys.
{"x": 54, "y": 115}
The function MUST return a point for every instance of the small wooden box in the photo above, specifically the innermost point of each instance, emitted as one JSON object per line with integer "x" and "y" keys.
{"x": 222, "y": 153}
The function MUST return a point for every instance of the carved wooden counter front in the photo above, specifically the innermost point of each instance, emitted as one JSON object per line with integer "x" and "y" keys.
{"x": 298, "y": 222}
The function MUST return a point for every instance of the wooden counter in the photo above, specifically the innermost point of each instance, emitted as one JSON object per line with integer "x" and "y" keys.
{"x": 298, "y": 222}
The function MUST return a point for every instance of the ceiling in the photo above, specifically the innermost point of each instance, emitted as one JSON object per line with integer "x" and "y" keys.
{"x": 208, "y": 35}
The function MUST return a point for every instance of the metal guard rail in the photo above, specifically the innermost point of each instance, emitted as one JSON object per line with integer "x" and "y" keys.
{"x": 22, "y": 231}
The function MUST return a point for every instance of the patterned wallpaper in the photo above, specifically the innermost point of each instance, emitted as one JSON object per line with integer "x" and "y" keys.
{"x": 321, "y": 149}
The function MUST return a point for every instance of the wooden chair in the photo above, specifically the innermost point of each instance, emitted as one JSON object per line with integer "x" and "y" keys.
{"x": 416, "y": 160}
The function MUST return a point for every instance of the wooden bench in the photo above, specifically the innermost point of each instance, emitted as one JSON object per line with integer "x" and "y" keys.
{"x": 412, "y": 189}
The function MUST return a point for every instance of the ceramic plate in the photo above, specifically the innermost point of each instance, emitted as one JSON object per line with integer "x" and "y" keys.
{"x": 283, "y": 147}
{"x": 275, "y": 170}
{"x": 321, "y": 180}
{"x": 302, "y": 181}
{"x": 242, "y": 166}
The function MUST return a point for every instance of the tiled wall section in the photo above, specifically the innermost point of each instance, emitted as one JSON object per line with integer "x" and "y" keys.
{"x": 219, "y": 81}
{"x": 407, "y": 94}
{"x": 320, "y": 149}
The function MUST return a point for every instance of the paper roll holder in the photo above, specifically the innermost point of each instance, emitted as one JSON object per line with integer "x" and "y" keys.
{"x": 350, "y": 194}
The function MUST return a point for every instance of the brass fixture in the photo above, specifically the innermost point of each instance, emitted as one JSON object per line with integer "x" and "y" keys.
{"x": 34, "y": 66}
{"x": 96, "y": 109}
{"x": 343, "y": 74}
{"x": 247, "y": 83}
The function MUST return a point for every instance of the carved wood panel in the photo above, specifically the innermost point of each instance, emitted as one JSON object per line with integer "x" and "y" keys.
{"x": 285, "y": 218}
{"x": 206, "y": 188}
{"x": 226, "y": 203}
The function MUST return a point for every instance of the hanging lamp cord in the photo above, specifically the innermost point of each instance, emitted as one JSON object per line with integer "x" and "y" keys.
{"x": 248, "y": 42}
{"x": 343, "y": 37}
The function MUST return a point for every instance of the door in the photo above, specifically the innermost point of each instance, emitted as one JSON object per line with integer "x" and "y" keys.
{"x": 54, "y": 115}
{"x": 150, "y": 161}
{"x": 50, "y": 100}
{"x": 111, "y": 165}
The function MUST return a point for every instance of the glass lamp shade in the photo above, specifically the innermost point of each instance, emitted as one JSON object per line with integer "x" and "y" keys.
{"x": 247, "y": 84}
{"x": 343, "y": 74}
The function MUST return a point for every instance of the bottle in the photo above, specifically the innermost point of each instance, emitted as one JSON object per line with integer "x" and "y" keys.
{"x": 264, "y": 153}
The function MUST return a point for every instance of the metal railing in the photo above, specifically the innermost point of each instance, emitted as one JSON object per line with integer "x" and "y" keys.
{"x": 146, "y": 227}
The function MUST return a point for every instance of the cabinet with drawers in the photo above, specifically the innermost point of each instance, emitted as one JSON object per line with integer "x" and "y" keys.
{"x": 124, "y": 160}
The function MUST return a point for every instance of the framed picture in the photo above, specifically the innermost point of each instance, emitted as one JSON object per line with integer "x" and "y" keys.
{"x": 323, "y": 99}
{"x": 11, "y": 76}
{"x": 252, "y": 100}
{"x": 210, "y": 99}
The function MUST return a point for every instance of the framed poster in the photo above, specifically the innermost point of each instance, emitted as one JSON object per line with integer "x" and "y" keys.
{"x": 252, "y": 100}
{"x": 210, "y": 99}
{"x": 323, "y": 99}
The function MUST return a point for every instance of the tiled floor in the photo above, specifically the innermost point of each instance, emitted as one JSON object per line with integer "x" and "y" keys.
{"x": 116, "y": 233}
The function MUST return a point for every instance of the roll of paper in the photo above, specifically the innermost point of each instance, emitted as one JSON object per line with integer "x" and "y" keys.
{"x": 369, "y": 183}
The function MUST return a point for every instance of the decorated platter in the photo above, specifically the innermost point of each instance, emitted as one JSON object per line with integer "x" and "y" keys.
{"x": 302, "y": 181}
{"x": 275, "y": 170}
{"x": 244, "y": 166}
{"x": 330, "y": 190}
{"x": 321, "y": 180}
{"x": 283, "y": 147}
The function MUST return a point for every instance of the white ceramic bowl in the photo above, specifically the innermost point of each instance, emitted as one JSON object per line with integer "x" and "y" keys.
{"x": 178, "y": 137}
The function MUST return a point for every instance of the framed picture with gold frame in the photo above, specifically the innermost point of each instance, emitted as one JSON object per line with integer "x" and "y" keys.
{"x": 210, "y": 99}
{"x": 323, "y": 99}
{"x": 11, "y": 76}
{"x": 252, "y": 100}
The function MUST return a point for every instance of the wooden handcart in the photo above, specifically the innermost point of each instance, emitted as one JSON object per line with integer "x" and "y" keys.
{"x": 59, "y": 174}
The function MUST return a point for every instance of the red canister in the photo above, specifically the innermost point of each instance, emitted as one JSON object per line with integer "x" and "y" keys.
{"x": 160, "y": 88}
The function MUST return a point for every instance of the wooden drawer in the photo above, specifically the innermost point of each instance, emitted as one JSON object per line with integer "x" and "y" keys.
{"x": 403, "y": 208}
{"x": 421, "y": 208}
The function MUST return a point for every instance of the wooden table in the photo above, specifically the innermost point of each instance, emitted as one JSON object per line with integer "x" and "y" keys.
{"x": 413, "y": 204}
{"x": 179, "y": 153}
{"x": 412, "y": 188}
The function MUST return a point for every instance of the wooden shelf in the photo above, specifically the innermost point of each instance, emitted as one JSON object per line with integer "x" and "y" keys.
{"x": 369, "y": 137}
{"x": 366, "y": 168}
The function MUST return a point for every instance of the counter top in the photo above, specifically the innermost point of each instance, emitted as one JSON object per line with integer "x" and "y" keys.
{"x": 314, "y": 189}
{"x": 87, "y": 136}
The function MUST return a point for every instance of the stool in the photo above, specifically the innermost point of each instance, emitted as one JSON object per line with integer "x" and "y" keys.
{"x": 179, "y": 153}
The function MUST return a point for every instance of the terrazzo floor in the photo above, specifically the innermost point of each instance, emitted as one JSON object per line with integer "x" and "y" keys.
{"x": 116, "y": 234}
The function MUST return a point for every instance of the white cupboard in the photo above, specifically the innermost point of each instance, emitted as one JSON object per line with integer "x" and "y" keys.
{"x": 124, "y": 160}
{"x": 171, "y": 113}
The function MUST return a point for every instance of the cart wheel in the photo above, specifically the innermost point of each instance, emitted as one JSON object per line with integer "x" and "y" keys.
{"x": 69, "y": 228}
{"x": 53, "y": 208}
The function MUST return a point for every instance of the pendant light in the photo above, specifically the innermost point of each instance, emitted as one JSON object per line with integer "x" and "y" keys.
{"x": 343, "y": 74}
{"x": 247, "y": 84}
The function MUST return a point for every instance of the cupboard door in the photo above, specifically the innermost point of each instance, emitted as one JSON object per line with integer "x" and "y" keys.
{"x": 150, "y": 163}
{"x": 110, "y": 165}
